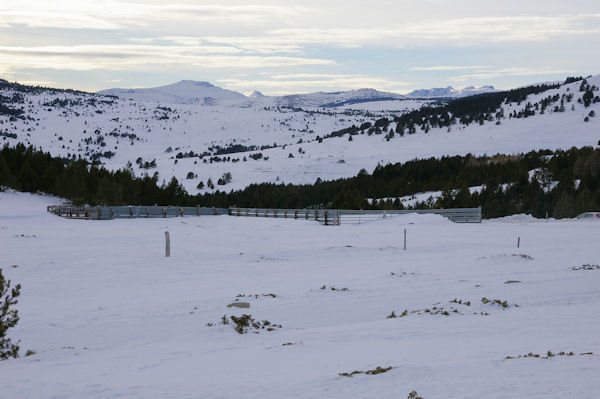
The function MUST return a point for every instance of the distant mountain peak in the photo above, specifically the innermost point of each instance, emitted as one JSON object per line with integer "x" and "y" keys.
{"x": 194, "y": 83}
{"x": 254, "y": 94}
{"x": 182, "y": 92}
{"x": 450, "y": 92}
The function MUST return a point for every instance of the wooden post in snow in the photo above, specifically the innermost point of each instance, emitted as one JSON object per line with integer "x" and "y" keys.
{"x": 167, "y": 244}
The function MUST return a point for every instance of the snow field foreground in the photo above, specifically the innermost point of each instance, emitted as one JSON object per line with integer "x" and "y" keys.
{"x": 109, "y": 316}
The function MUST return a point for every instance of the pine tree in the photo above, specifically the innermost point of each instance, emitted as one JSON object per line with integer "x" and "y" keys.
{"x": 6, "y": 177}
{"x": 8, "y": 317}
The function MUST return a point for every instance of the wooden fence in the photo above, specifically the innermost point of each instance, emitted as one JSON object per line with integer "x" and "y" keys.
{"x": 327, "y": 217}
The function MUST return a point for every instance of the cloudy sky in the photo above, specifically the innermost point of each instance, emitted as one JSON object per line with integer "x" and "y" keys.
{"x": 281, "y": 47}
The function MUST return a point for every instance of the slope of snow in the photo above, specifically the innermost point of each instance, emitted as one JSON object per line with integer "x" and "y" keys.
{"x": 183, "y": 92}
{"x": 134, "y": 129}
{"x": 108, "y": 316}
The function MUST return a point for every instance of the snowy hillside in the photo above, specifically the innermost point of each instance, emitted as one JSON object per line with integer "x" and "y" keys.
{"x": 462, "y": 313}
{"x": 256, "y": 140}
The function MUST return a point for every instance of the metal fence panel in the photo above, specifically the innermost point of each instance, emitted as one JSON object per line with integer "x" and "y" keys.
{"x": 326, "y": 217}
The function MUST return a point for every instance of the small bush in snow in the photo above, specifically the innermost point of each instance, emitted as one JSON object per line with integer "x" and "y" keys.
{"x": 549, "y": 355}
{"x": 377, "y": 370}
{"x": 587, "y": 266}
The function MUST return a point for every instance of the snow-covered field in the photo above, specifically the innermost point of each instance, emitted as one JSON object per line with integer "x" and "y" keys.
{"x": 110, "y": 317}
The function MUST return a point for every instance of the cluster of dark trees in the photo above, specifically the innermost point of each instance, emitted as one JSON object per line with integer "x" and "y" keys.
{"x": 6, "y": 102}
{"x": 559, "y": 184}
{"x": 19, "y": 88}
{"x": 27, "y": 169}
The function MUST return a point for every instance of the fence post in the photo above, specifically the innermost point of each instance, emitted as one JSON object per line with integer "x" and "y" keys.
{"x": 306, "y": 214}
{"x": 518, "y": 242}
{"x": 164, "y": 212}
{"x": 167, "y": 244}
{"x": 275, "y": 213}
{"x": 405, "y": 239}
{"x": 325, "y": 216}
{"x": 130, "y": 212}
{"x": 316, "y": 215}
{"x": 147, "y": 212}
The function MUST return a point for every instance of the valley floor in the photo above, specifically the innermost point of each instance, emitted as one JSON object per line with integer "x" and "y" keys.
{"x": 110, "y": 317}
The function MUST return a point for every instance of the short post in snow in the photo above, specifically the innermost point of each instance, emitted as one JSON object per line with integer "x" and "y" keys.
{"x": 167, "y": 244}
{"x": 518, "y": 242}
{"x": 405, "y": 239}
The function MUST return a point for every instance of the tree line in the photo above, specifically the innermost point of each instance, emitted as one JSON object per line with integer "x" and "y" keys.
{"x": 560, "y": 183}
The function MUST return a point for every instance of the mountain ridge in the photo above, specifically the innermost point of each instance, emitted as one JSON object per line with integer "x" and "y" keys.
{"x": 190, "y": 91}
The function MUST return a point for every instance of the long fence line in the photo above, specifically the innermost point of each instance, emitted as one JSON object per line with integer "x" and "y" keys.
{"x": 327, "y": 217}
{"x": 130, "y": 212}
{"x": 349, "y": 216}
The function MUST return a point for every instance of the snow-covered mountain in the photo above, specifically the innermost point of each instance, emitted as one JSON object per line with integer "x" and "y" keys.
{"x": 256, "y": 140}
{"x": 182, "y": 92}
{"x": 451, "y": 92}
{"x": 336, "y": 99}
{"x": 254, "y": 94}
{"x": 189, "y": 92}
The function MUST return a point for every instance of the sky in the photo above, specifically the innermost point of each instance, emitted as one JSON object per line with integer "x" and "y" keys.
{"x": 284, "y": 47}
